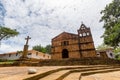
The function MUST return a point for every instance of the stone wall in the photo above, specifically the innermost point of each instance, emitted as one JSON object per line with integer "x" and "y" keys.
{"x": 81, "y": 61}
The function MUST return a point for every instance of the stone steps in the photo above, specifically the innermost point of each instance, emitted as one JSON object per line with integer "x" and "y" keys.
{"x": 73, "y": 76}
{"x": 83, "y": 70}
{"x": 39, "y": 76}
{"x": 63, "y": 73}
{"x": 99, "y": 71}
{"x": 90, "y": 78}
{"x": 103, "y": 76}
{"x": 55, "y": 75}
{"x": 78, "y": 74}
{"x": 95, "y": 72}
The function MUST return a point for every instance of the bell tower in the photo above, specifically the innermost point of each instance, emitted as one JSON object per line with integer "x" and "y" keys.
{"x": 85, "y": 42}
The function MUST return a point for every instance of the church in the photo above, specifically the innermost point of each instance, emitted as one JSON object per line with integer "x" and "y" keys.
{"x": 68, "y": 45}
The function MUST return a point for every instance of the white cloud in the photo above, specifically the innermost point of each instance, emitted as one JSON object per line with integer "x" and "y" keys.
{"x": 9, "y": 48}
{"x": 44, "y": 19}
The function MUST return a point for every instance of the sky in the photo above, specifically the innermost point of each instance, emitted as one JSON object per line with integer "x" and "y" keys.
{"x": 42, "y": 20}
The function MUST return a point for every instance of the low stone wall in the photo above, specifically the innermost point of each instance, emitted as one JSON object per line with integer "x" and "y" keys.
{"x": 65, "y": 62}
{"x": 6, "y": 65}
{"x": 82, "y": 61}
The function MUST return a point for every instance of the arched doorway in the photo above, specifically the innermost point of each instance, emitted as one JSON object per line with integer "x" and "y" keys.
{"x": 65, "y": 53}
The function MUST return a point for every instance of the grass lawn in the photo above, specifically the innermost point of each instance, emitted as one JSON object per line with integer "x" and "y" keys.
{"x": 7, "y": 62}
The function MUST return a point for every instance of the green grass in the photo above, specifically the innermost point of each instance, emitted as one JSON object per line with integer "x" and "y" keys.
{"x": 7, "y": 62}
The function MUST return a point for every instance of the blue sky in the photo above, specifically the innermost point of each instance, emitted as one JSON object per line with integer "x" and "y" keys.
{"x": 44, "y": 19}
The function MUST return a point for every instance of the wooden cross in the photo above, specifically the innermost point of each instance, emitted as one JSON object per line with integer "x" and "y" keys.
{"x": 27, "y": 39}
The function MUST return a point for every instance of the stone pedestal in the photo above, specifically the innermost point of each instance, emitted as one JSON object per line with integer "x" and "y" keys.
{"x": 25, "y": 51}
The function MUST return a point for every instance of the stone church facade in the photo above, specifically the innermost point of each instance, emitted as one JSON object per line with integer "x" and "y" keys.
{"x": 69, "y": 45}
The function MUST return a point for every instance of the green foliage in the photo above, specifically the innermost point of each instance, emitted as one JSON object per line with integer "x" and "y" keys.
{"x": 6, "y": 33}
{"x": 48, "y": 49}
{"x": 117, "y": 50}
{"x": 40, "y": 48}
{"x": 117, "y": 53}
{"x": 6, "y": 61}
{"x": 19, "y": 51}
{"x": 111, "y": 19}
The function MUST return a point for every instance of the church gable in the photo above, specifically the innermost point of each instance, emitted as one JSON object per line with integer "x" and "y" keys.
{"x": 64, "y": 36}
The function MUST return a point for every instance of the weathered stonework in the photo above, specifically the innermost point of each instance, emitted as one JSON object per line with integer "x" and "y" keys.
{"x": 68, "y": 45}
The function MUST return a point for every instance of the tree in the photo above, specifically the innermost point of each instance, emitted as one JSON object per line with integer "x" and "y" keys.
{"x": 6, "y": 33}
{"x": 117, "y": 50}
{"x": 48, "y": 49}
{"x": 39, "y": 48}
{"x": 117, "y": 53}
{"x": 111, "y": 19}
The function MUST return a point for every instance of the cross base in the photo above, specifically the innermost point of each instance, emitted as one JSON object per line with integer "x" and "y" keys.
{"x": 24, "y": 59}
